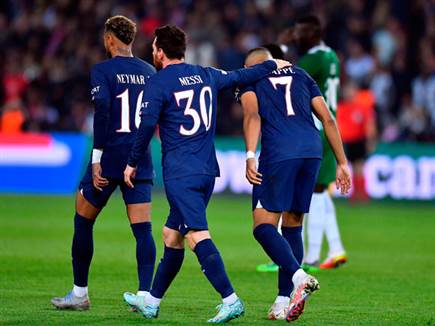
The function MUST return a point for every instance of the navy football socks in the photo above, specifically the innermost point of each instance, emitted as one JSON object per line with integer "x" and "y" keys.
{"x": 277, "y": 248}
{"x": 213, "y": 267}
{"x": 145, "y": 254}
{"x": 293, "y": 235}
{"x": 82, "y": 249}
{"x": 168, "y": 268}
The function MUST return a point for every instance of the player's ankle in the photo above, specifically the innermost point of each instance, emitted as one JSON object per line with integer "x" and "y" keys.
{"x": 152, "y": 300}
{"x": 282, "y": 299}
{"x": 230, "y": 299}
{"x": 80, "y": 291}
{"x": 298, "y": 277}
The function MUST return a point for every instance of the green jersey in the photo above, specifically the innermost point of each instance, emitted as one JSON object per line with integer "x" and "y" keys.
{"x": 322, "y": 64}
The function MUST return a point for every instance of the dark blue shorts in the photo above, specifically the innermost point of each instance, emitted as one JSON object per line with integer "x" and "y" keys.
{"x": 141, "y": 193}
{"x": 188, "y": 198}
{"x": 287, "y": 186}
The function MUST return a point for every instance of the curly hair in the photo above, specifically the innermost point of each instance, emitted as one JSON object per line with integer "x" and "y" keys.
{"x": 122, "y": 27}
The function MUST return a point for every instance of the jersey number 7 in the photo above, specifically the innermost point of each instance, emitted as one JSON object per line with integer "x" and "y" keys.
{"x": 287, "y": 82}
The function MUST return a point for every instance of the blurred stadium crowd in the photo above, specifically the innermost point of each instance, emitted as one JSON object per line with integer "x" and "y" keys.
{"x": 385, "y": 47}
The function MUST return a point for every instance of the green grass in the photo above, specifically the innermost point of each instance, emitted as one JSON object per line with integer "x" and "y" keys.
{"x": 389, "y": 280}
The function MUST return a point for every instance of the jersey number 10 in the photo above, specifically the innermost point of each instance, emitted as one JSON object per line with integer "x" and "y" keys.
{"x": 125, "y": 111}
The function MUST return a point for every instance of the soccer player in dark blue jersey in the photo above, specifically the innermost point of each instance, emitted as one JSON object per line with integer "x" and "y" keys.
{"x": 280, "y": 107}
{"x": 181, "y": 98}
{"x": 117, "y": 89}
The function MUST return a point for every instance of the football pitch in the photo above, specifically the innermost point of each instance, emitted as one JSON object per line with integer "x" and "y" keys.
{"x": 389, "y": 280}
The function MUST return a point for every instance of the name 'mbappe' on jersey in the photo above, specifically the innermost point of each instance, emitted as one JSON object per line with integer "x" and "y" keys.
{"x": 287, "y": 126}
{"x": 117, "y": 90}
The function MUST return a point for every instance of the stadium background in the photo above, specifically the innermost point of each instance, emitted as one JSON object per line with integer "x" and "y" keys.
{"x": 48, "y": 47}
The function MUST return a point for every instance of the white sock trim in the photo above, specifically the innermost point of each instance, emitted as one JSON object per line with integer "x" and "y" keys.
{"x": 149, "y": 299}
{"x": 230, "y": 299}
{"x": 282, "y": 299}
{"x": 80, "y": 291}
{"x": 142, "y": 293}
{"x": 298, "y": 277}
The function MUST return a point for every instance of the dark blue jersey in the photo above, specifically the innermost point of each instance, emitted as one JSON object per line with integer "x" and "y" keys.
{"x": 117, "y": 91}
{"x": 287, "y": 126}
{"x": 182, "y": 98}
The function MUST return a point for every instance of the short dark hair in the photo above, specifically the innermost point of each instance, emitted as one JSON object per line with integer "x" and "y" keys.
{"x": 122, "y": 27}
{"x": 172, "y": 40}
{"x": 275, "y": 50}
{"x": 313, "y": 21}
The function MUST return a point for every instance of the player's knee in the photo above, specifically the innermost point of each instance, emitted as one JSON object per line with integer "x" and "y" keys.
{"x": 85, "y": 208}
{"x": 193, "y": 237}
{"x": 292, "y": 219}
{"x": 262, "y": 216}
{"x": 172, "y": 238}
{"x": 139, "y": 213}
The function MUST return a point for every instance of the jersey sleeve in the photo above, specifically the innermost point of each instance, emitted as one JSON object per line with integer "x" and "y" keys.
{"x": 151, "y": 108}
{"x": 313, "y": 87}
{"x": 226, "y": 79}
{"x": 242, "y": 90}
{"x": 100, "y": 96}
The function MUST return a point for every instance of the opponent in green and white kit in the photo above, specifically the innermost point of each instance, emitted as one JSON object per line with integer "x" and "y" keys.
{"x": 322, "y": 64}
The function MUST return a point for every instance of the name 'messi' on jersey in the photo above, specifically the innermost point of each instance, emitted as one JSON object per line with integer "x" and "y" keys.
{"x": 130, "y": 79}
{"x": 190, "y": 80}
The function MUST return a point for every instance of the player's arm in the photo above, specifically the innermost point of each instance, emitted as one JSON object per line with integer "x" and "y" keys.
{"x": 150, "y": 113}
{"x": 227, "y": 79}
{"x": 101, "y": 99}
{"x": 251, "y": 130}
{"x": 322, "y": 112}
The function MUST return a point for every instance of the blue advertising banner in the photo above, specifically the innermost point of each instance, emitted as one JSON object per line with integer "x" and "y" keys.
{"x": 41, "y": 163}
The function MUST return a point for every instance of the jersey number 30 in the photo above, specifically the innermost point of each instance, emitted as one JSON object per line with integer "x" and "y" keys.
{"x": 287, "y": 82}
{"x": 206, "y": 112}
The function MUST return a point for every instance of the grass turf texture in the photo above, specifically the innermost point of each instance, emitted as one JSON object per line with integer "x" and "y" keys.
{"x": 389, "y": 280}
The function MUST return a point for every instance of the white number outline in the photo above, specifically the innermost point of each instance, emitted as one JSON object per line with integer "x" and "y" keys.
{"x": 331, "y": 92}
{"x": 206, "y": 115}
{"x": 285, "y": 81}
{"x": 125, "y": 111}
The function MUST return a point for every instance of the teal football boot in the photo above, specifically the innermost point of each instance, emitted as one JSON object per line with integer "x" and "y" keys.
{"x": 228, "y": 312}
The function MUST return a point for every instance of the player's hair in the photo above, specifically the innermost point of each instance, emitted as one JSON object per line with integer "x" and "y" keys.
{"x": 258, "y": 49}
{"x": 314, "y": 22}
{"x": 122, "y": 27}
{"x": 275, "y": 50}
{"x": 172, "y": 40}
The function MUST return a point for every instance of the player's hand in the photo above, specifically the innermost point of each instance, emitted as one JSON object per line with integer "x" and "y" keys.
{"x": 129, "y": 173}
{"x": 282, "y": 63}
{"x": 98, "y": 181}
{"x": 253, "y": 176}
{"x": 343, "y": 179}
